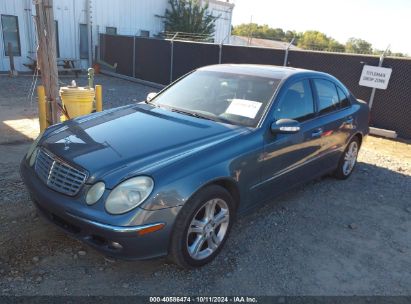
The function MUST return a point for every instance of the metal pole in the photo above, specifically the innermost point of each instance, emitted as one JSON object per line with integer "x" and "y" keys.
{"x": 220, "y": 55}
{"x": 370, "y": 103}
{"x": 134, "y": 56}
{"x": 12, "y": 72}
{"x": 89, "y": 33}
{"x": 172, "y": 57}
{"x": 286, "y": 52}
{"x": 250, "y": 34}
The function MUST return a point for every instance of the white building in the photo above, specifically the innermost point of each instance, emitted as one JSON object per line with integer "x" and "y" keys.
{"x": 124, "y": 17}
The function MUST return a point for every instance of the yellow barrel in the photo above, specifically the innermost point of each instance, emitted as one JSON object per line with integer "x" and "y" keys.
{"x": 78, "y": 101}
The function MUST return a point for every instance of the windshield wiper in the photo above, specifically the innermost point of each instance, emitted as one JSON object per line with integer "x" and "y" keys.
{"x": 152, "y": 103}
{"x": 189, "y": 113}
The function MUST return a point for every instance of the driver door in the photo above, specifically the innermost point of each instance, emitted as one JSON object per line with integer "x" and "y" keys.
{"x": 288, "y": 157}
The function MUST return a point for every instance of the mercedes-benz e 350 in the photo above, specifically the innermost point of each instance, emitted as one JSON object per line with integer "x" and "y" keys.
{"x": 167, "y": 177}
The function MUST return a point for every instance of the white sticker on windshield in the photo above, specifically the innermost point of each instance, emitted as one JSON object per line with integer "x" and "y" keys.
{"x": 244, "y": 107}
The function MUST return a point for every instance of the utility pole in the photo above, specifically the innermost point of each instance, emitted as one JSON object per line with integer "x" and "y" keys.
{"x": 47, "y": 57}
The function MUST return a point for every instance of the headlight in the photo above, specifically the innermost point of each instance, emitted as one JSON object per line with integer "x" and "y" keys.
{"x": 33, "y": 146}
{"x": 95, "y": 193}
{"x": 33, "y": 157}
{"x": 129, "y": 194}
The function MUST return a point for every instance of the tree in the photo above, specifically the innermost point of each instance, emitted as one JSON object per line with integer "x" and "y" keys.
{"x": 390, "y": 53}
{"x": 359, "y": 46}
{"x": 189, "y": 16}
{"x": 315, "y": 40}
{"x": 309, "y": 40}
{"x": 259, "y": 31}
{"x": 335, "y": 46}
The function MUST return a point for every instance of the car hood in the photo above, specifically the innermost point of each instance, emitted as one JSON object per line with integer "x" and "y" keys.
{"x": 138, "y": 136}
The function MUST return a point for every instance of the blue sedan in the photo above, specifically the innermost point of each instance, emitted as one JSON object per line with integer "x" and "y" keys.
{"x": 167, "y": 177}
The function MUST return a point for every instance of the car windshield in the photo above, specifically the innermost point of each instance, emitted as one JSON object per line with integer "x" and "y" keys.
{"x": 232, "y": 98}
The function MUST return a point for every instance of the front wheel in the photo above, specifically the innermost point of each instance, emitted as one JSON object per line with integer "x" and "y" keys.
{"x": 202, "y": 227}
{"x": 348, "y": 160}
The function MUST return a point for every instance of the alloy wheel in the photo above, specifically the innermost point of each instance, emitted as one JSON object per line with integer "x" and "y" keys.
{"x": 208, "y": 228}
{"x": 350, "y": 158}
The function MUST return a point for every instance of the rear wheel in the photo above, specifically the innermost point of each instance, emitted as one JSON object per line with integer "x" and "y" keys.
{"x": 348, "y": 160}
{"x": 202, "y": 227}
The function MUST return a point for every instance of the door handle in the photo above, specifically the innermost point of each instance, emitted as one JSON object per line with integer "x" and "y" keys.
{"x": 317, "y": 133}
{"x": 349, "y": 121}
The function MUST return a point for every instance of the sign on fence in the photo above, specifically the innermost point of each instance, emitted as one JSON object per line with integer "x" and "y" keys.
{"x": 375, "y": 77}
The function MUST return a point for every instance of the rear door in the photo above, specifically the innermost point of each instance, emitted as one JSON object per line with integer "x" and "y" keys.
{"x": 336, "y": 118}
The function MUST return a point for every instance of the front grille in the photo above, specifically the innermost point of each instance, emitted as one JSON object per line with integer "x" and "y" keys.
{"x": 57, "y": 174}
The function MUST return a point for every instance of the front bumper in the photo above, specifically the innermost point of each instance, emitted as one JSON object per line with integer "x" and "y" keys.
{"x": 118, "y": 241}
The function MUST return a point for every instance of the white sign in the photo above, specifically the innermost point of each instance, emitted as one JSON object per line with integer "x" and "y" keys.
{"x": 243, "y": 107}
{"x": 375, "y": 77}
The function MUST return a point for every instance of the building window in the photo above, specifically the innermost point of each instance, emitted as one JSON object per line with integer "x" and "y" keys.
{"x": 111, "y": 30}
{"x": 83, "y": 41}
{"x": 145, "y": 33}
{"x": 56, "y": 28}
{"x": 10, "y": 26}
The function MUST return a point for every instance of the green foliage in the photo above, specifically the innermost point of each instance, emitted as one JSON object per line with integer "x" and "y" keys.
{"x": 389, "y": 53}
{"x": 359, "y": 46}
{"x": 310, "y": 40}
{"x": 259, "y": 31}
{"x": 189, "y": 16}
{"x": 314, "y": 40}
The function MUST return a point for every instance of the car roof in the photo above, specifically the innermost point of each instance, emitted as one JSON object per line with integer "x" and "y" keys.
{"x": 259, "y": 70}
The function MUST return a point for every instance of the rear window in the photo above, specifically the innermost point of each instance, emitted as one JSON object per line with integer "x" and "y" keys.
{"x": 328, "y": 99}
{"x": 343, "y": 99}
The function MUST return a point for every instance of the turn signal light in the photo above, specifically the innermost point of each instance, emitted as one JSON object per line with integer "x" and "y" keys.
{"x": 151, "y": 229}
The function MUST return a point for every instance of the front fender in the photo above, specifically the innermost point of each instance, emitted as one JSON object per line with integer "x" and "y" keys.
{"x": 178, "y": 192}
{"x": 237, "y": 162}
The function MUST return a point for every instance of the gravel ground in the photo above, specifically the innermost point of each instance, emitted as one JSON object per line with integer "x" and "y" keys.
{"x": 17, "y": 101}
{"x": 328, "y": 237}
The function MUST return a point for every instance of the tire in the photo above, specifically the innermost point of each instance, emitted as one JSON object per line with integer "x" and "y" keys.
{"x": 348, "y": 160}
{"x": 209, "y": 215}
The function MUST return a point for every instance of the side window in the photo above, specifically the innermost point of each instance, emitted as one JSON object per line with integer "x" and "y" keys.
{"x": 344, "y": 101}
{"x": 10, "y": 26}
{"x": 327, "y": 96}
{"x": 144, "y": 33}
{"x": 297, "y": 103}
{"x": 111, "y": 30}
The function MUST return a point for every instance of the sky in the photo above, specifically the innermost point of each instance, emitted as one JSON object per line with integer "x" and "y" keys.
{"x": 380, "y": 22}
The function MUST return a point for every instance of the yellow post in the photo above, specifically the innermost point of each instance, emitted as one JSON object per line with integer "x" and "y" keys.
{"x": 41, "y": 93}
{"x": 99, "y": 98}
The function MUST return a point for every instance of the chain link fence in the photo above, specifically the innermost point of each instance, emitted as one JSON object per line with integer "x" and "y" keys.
{"x": 165, "y": 60}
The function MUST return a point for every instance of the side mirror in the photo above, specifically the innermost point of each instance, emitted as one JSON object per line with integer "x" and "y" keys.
{"x": 285, "y": 126}
{"x": 151, "y": 96}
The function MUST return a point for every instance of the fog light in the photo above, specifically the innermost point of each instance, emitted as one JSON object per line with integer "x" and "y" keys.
{"x": 115, "y": 245}
{"x": 95, "y": 193}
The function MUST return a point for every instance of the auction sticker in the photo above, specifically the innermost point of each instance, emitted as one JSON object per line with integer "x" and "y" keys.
{"x": 244, "y": 107}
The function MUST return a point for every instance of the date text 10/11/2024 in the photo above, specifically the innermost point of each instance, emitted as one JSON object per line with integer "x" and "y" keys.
{"x": 203, "y": 299}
